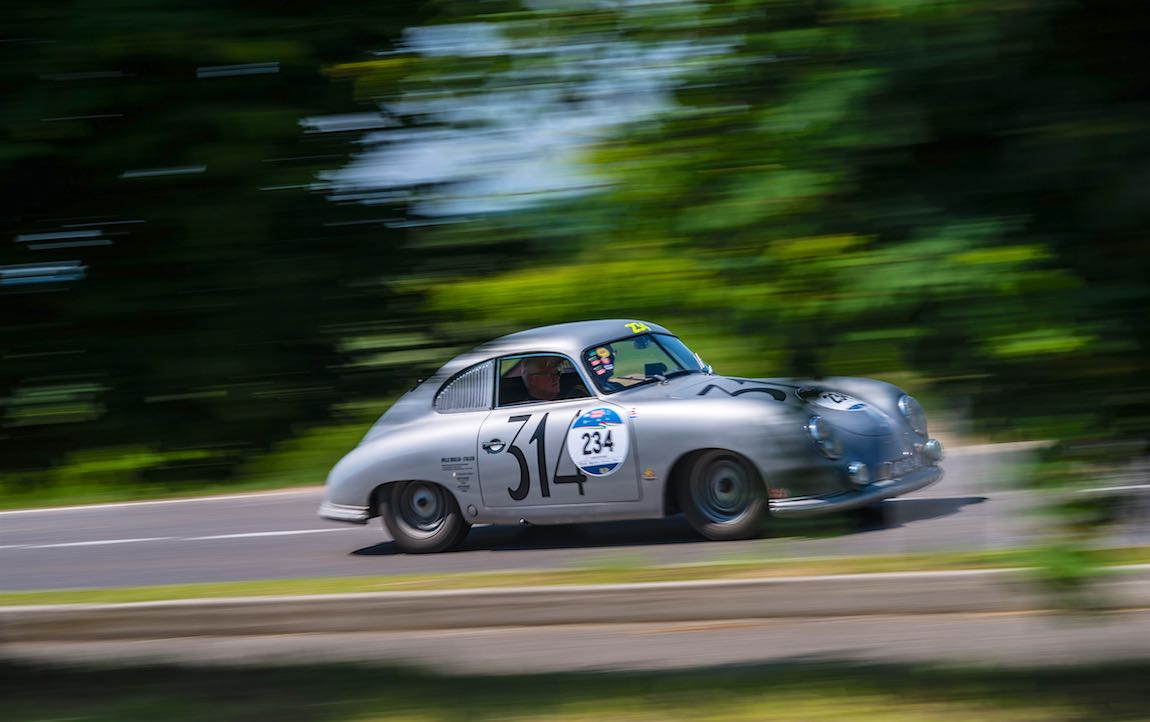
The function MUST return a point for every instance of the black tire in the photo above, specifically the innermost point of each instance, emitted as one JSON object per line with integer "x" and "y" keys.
{"x": 723, "y": 497}
{"x": 422, "y": 517}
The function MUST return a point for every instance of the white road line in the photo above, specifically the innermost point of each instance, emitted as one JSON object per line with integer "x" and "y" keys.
{"x": 261, "y": 533}
{"x": 159, "y": 502}
{"x": 98, "y": 542}
{"x": 1112, "y": 489}
{"x": 102, "y": 542}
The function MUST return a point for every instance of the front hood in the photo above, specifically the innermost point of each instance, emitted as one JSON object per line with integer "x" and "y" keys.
{"x": 696, "y": 385}
{"x": 844, "y": 411}
{"x": 847, "y": 412}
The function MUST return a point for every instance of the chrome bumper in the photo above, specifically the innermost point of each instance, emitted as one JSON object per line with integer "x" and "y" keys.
{"x": 344, "y": 512}
{"x": 870, "y": 494}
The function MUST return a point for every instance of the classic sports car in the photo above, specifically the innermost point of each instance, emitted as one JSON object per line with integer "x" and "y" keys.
{"x": 604, "y": 420}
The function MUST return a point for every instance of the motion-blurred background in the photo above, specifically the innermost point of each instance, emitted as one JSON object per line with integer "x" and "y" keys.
{"x": 233, "y": 231}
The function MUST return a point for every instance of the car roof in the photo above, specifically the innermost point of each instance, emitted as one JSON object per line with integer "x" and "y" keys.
{"x": 565, "y": 338}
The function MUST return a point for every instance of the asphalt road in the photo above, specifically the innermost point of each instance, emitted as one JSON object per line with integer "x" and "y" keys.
{"x": 271, "y": 536}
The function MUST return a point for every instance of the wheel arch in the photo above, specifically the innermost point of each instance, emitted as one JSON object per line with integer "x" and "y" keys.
{"x": 380, "y": 488}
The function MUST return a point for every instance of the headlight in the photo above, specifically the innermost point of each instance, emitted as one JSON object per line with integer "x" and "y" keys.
{"x": 913, "y": 413}
{"x": 824, "y": 436}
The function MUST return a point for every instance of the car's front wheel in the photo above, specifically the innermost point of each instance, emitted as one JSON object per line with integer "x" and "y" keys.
{"x": 422, "y": 517}
{"x": 723, "y": 497}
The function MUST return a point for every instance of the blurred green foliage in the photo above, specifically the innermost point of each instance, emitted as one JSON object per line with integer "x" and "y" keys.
{"x": 947, "y": 193}
{"x": 810, "y": 690}
{"x": 166, "y": 149}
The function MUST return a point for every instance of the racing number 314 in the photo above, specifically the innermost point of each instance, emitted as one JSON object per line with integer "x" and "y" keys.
{"x": 539, "y": 438}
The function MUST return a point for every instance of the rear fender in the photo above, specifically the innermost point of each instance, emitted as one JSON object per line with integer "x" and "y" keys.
{"x": 443, "y": 455}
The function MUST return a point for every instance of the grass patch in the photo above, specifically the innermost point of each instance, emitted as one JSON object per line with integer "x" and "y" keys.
{"x": 610, "y": 574}
{"x": 362, "y": 693}
{"x": 115, "y": 475}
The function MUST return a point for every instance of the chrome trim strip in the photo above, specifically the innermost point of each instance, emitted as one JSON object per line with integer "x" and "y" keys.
{"x": 879, "y": 490}
{"x": 343, "y": 512}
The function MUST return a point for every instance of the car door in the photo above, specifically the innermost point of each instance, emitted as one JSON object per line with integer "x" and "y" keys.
{"x": 536, "y": 452}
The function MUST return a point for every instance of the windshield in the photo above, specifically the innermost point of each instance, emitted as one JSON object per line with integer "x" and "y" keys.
{"x": 638, "y": 359}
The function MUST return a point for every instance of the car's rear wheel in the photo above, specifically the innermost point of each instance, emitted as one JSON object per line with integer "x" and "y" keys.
{"x": 422, "y": 517}
{"x": 723, "y": 497}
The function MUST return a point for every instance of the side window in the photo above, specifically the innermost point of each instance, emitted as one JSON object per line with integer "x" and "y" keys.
{"x": 538, "y": 377}
{"x": 467, "y": 391}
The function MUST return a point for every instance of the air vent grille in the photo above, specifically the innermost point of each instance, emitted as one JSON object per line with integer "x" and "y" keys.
{"x": 468, "y": 391}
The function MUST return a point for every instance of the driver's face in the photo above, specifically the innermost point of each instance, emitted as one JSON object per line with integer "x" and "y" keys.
{"x": 542, "y": 382}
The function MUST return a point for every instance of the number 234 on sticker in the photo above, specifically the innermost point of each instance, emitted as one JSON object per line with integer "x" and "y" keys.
{"x": 598, "y": 441}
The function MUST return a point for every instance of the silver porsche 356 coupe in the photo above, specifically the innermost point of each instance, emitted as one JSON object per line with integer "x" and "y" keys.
{"x": 617, "y": 419}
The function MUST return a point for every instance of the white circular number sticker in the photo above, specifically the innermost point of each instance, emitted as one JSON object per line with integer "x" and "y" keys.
{"x": 597, "y": 442}
{"x": 838, "y": 402}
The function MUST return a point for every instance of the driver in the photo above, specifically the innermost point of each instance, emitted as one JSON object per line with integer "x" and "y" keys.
{"x": 541, "y": 377}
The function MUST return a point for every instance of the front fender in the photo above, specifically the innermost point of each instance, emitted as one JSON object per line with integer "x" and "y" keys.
{"x": 769, "y": 434}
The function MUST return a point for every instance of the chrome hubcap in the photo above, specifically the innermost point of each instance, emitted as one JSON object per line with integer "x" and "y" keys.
{"x": 723, "y": 492}
{"x": 421, "y": 507}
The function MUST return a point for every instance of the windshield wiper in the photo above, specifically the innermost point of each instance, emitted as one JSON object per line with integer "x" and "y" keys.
{"x": 662, "y": 378}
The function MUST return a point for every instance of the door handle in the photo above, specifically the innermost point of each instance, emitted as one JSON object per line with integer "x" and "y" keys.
{"x": 493, "y": 447}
